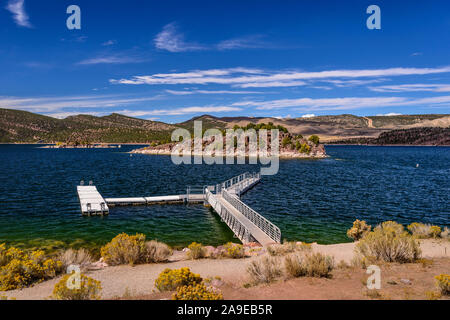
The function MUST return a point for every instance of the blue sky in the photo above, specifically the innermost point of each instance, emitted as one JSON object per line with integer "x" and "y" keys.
{"x": 172, "y": 60}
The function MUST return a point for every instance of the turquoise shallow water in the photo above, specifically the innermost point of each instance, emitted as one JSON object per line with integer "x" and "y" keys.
{"x": 310, "y": 200}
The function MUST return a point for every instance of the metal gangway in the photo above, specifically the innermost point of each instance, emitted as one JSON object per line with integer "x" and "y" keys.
{"x": 247, "y": 224}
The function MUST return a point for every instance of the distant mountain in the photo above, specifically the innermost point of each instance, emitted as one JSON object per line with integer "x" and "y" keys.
{"x": 331, "y": 128}
{"x": 415, "y": 136}
{"x": 22, "y": 126}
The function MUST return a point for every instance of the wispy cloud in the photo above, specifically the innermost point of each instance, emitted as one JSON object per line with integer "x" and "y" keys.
{"x": 109, "y": 43}
{"x": 61, "y": 104}
{"x": 248, "y": 42}
{"x": 17, "y": 8}
{"x": 191, "y": 110}
{"x": 389, "y": 114}
{"x": 190, "y": 92}
{"x": 172, "y": 40}
{"x": 346, "y": 103}
{"x": 111, "y": 59}
{"x": 241, "y": 77}
{"x": 413, "y": 88}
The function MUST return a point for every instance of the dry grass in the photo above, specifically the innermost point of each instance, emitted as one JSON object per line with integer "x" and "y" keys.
{"x": 157, "y": 252}
{"x": 312, "y": 265}
{"x": 424, "y": 231}
{"x": 81, "y": 258}
{"x": 288, "y": 247}
{"x": 445, "y": 234}
{"x": 264, "y": 270}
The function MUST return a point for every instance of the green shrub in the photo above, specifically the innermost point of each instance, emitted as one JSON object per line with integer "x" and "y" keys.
{"x": 312, "y": 265}
{"x": 359, "y": 229}
{"x": 286, "y": 141}
{"x": 196, "y": 292}
{"x": 443, "y": 283}
{"x": 314, "y": 139}
{"x": 305, "y": 148}
{"x": 89, "y": 289}
{"x": 388, "y": 242}
{"x": 171, "y": 279}
{"x": 19, "y": 269}
{"x": 196, "y": 251}
{"x": 264, "y": 270}
{"x": 234, "y": 250}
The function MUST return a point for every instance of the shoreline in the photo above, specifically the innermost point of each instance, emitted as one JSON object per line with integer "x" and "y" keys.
{"x": 127, "y": 282}
{"x": 281, "y": 156}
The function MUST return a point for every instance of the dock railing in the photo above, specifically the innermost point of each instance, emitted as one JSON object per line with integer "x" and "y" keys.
{"x": 262, "y": 223}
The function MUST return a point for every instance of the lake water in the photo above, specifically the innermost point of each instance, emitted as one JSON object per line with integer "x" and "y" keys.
{"x": 310, "y": 200}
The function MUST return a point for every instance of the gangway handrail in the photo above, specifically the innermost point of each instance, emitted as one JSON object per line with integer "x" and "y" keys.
{"x": 262, "y": 223}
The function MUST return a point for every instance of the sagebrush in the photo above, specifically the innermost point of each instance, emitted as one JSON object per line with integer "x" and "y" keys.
{"x": 71, "y": 288}
{"x": 388, "y": 242}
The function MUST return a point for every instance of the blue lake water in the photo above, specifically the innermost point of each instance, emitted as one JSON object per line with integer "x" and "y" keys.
{"x": 310, "y": 200}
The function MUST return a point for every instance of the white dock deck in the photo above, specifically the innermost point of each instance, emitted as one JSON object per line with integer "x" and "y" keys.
{"x": 91, "y": 201}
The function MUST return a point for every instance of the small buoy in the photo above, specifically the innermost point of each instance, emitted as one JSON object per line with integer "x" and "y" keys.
{"x": 417, "y": 165}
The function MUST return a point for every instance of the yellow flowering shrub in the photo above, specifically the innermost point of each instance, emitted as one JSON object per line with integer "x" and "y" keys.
{"x": 19, "y": 269}
{"x": 171, "y": 279}
{"x": 86, "y": 289}
{"x": 435, "y": 231}
{"x": 359, "y": 229}
{"x": 125, "y": 249}
{"x": 196, "y": 292}
{"x": 443, "y": 283}
{"x": 234, "y": 250}
{"x": 196, "y": 251}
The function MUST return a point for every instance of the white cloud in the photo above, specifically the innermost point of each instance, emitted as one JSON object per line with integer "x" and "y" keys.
{"x": 111, "y": 59}
{"x": 413, "y": 88}
{"x": 389, "y": 114}
{"x": 189, "y": 92}
{"x": 17, "y": 8}
{"x": 249, "y": 42}
{"x": 179, "y": 111}
{"x": 309, "y": 115}
{"x": 61, "y": 104}
{"x": 240, "y": 77}
{"x": 349, "y": 103}
{"x": 109, "y": 43}
{"x": 272, "y": 84}
{"x": 172, "y": 40}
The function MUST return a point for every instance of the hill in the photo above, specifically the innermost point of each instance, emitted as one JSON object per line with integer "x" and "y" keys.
{"x": 22, "y": 126}
{"x": 426, "y": 136}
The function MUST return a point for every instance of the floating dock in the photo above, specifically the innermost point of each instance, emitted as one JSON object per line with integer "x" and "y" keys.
{"x": 224, "y": 198}
{"x": 91, "y": 201}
